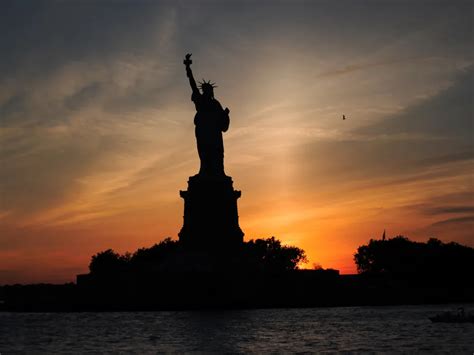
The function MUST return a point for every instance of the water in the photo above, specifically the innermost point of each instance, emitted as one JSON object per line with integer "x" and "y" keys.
{"x": 383, "y": 329}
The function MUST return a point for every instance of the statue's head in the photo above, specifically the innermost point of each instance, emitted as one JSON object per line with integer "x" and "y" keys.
{"x": 207, "y": 88}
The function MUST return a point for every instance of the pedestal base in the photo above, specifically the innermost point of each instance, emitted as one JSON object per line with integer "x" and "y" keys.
{"x": 210, "y": 214}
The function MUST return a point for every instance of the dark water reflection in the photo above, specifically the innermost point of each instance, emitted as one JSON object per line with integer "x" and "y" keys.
{"x": 401, "y": 329}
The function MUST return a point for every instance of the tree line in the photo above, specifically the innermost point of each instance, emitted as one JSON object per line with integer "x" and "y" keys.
{"x": 402, "y": 256}
{"x": 266, "y": 255}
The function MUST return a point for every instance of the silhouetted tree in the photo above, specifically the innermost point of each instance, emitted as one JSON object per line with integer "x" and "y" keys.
{"x": 270, "y": 255}
{"x": 266, "y": 255}
{"x": 401, "y": 256}
{"x": 109, "y": 261}
{"x": 151, "y": 259}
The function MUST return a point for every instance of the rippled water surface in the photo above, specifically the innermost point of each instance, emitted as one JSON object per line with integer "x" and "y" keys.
{"x": 403, "y": 329}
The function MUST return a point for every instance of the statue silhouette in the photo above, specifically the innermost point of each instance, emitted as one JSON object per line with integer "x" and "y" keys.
{"x": 210, "y": 219}
{"x": 210, "y": 121}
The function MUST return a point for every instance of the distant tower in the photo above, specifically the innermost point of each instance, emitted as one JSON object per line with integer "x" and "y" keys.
{"x": 383, "y": 235}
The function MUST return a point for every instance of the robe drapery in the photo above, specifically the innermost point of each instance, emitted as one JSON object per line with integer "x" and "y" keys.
{"x": 210, "y": 121}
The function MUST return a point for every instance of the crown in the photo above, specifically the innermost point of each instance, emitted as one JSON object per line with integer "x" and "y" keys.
{"x": 206, "y": 83}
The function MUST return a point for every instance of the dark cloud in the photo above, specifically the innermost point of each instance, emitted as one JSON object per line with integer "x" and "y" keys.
{"x": 14, "y": 110}
{"x": 13, "y": 107}
{"x": 40, "y": 35}
{"x": 83, "y": 96}
{"x": 457, "y": 229}
{"x": 457, "y": 198}
{"x": 431, "y": 208}
{"x": 448, "y": 158}
{"x": 449, "y": 115}
{"x": 448, "y": 217}
{"x": 449, "y": 210}
{"x": 390, "y": 161}
{"x": 435, "y": 132}
{"x": 455, "y": 221}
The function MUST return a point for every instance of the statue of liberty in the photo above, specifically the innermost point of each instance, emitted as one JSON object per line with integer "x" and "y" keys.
{"x": 210, "y": 219}
{"x": 210, "y": 121}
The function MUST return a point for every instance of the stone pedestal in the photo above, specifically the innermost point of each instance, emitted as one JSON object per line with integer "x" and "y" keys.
{"x": 211, "y": 219}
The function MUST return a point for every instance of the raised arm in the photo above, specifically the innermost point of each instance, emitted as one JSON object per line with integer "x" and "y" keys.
{"x": 187, "y": 62}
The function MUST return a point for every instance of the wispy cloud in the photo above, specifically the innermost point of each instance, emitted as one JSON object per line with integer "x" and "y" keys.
{"x": 451, "y": 221}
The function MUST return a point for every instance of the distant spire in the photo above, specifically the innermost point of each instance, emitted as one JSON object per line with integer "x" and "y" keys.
{"x": 383, "y": 235}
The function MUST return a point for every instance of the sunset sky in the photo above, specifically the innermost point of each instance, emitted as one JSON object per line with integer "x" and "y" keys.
{"x": 97, "y": 134}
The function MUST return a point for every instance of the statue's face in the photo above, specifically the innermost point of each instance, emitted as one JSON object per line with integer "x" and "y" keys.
{"x": 207, "y": 91}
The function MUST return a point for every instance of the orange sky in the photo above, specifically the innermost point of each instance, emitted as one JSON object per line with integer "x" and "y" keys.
{"x": 97, "y": 133}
